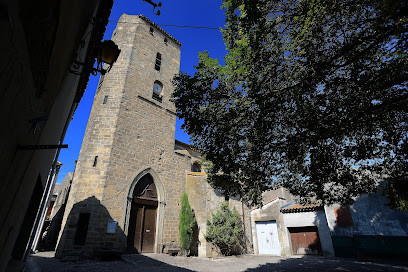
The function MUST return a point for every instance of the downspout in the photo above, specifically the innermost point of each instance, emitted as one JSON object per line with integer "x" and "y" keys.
{"x": 49, "y": 185}
{"x": 47, "y": 204}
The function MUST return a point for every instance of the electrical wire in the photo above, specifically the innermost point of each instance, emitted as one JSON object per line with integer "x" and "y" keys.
{"x": 183, "y": 26}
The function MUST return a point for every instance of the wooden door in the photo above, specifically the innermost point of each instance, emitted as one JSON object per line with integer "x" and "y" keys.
{"x": 143, "y": 231}
{"x": 142, "y": 221}
{"x": 149, "y": 229}
{"x": 305, "y": 241}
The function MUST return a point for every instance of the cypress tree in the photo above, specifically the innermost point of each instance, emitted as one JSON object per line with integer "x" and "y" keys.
{"x": 187, "y": 223}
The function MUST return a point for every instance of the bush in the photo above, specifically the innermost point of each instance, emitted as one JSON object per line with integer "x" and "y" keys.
{"x": 187, "y": 223}
{"x": 225, "y": 230}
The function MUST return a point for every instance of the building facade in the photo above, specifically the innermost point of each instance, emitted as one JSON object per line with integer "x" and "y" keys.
{"x": 131, "y": 173}
{"x": 366, "y": 228}
{"x": 39, "y": 93}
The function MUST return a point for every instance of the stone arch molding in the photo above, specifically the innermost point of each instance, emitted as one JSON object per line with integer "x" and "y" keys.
{"x": 160, "y": 209}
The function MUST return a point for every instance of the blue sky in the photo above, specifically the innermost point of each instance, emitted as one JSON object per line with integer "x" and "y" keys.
{"x": 173, "y": 12}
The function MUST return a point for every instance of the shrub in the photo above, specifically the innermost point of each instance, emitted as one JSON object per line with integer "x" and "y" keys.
{"x": 187, "y": 223}
{"x": 225, "y": 230}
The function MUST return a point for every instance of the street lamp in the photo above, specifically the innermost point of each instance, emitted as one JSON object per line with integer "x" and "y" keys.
{"x": 107, "y": 52}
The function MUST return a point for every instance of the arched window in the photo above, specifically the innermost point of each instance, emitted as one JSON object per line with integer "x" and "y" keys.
{"x": 196, "y": 167}
{"x": 157, "y": 91}
{"x": 158, "y": 62}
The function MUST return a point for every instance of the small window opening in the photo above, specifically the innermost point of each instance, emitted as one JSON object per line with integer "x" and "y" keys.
{"x": 166, "y": 41}
{"x": 95, "y": 161}
{"x": 226, "y": 198}
{"x": 157, "y": 91}
{"x": 158, "y": 62}
{"x": 105, "y": 99}
{"x": 151, "y": 30}
{"x": 82, "y": 229}
{"x": 196, "y": 167}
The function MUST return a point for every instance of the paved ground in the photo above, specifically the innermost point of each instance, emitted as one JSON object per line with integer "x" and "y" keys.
{"x": 45, "y": 262}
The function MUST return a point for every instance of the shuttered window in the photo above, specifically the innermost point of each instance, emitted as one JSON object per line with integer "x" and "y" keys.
{"x": 158, "y": 62}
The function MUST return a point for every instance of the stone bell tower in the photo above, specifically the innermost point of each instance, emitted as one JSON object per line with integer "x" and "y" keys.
{"x": 129, "y": 136}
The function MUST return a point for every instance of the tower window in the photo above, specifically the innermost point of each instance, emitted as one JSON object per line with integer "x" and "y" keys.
{"x": 105, "y": 99}
{"x": 195, "y": 167}
{"x": 157, "y": 91}
{"x": 95, "y": 161}
{"x": 151, "y": 30}
{"x": 158, "y": 62}
{"x": 100, "y": 83}
{"x": 165, "y": 41}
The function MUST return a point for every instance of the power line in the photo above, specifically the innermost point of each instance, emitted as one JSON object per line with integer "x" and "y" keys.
{"x": 185, "y": 26}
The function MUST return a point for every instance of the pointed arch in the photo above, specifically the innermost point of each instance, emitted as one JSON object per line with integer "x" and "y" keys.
{"x": 160, "y": 208}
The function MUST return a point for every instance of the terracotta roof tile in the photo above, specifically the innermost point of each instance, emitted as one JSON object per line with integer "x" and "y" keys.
{"x": 297, "y": 207}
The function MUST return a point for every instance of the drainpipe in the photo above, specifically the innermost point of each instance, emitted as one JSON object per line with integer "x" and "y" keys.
{"x": 47, "y": 204}
{"x": 49, "y": 184}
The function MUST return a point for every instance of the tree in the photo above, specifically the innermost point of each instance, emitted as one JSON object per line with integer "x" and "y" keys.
{"x": 187, "y": 223}
{"x": 313, "y": 97}
{"x": 225, "y": 230}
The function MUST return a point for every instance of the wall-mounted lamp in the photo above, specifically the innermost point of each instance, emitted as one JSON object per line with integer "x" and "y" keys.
{"x": 107, "y": 52}
{"x": 154, "y": 6}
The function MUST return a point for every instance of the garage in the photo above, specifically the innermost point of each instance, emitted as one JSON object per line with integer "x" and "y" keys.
{"x": 305, "y": 240}
{"x": 268, "y": 240}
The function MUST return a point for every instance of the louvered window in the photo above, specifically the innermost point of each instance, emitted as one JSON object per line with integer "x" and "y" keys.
{"x": 158, "y": 62}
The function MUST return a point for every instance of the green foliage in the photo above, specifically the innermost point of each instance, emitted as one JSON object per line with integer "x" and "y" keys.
{"x": 225, "y": 230}
{"x": 187, "y": 223}
{"x": 313, "y": 96}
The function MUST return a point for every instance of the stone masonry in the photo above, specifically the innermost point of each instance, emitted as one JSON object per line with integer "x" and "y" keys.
{"x": 130, "y": 134}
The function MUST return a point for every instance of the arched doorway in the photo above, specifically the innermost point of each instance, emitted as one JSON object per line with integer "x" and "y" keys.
{"x": 142, "y": 218}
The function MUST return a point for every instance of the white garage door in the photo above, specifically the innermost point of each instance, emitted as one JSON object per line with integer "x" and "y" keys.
{"x": 268, "y": 241}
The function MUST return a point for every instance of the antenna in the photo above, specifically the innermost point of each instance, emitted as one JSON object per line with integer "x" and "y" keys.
{"x": 155, "y": 5}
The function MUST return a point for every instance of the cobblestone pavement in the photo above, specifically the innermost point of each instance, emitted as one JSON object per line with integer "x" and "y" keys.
{"x": 44, "y": 262}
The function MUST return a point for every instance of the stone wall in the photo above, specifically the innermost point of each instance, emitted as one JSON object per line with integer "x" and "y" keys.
{"x": 205, "y": 201}
{"x": 130, "y": 133}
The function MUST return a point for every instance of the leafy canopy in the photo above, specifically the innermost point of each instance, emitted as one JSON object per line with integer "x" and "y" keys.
{"x": 312, "y": 96}
{"x": 225, "y": 230}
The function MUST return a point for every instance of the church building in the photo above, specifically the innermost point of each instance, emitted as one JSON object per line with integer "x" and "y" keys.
{"x": 131, "y": 172}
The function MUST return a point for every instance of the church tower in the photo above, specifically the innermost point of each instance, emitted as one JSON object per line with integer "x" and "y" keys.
{"x": 127, "y": 167}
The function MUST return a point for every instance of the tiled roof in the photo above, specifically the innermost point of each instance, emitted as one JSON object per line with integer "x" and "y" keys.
{"x": 177, "y": 142}
{"x": 297, "y": 207}
{"x": 267, "y": 202}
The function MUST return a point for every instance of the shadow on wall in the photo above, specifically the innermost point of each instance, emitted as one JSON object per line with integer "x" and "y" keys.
{"x": 370, "y": 228}
{"x": 50, "y": 237}
{"x": 317, "y": 263}
{"x": 91, "y": 232}
{"x": 133, "y": 262}
{"x": 196, "y": 241}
